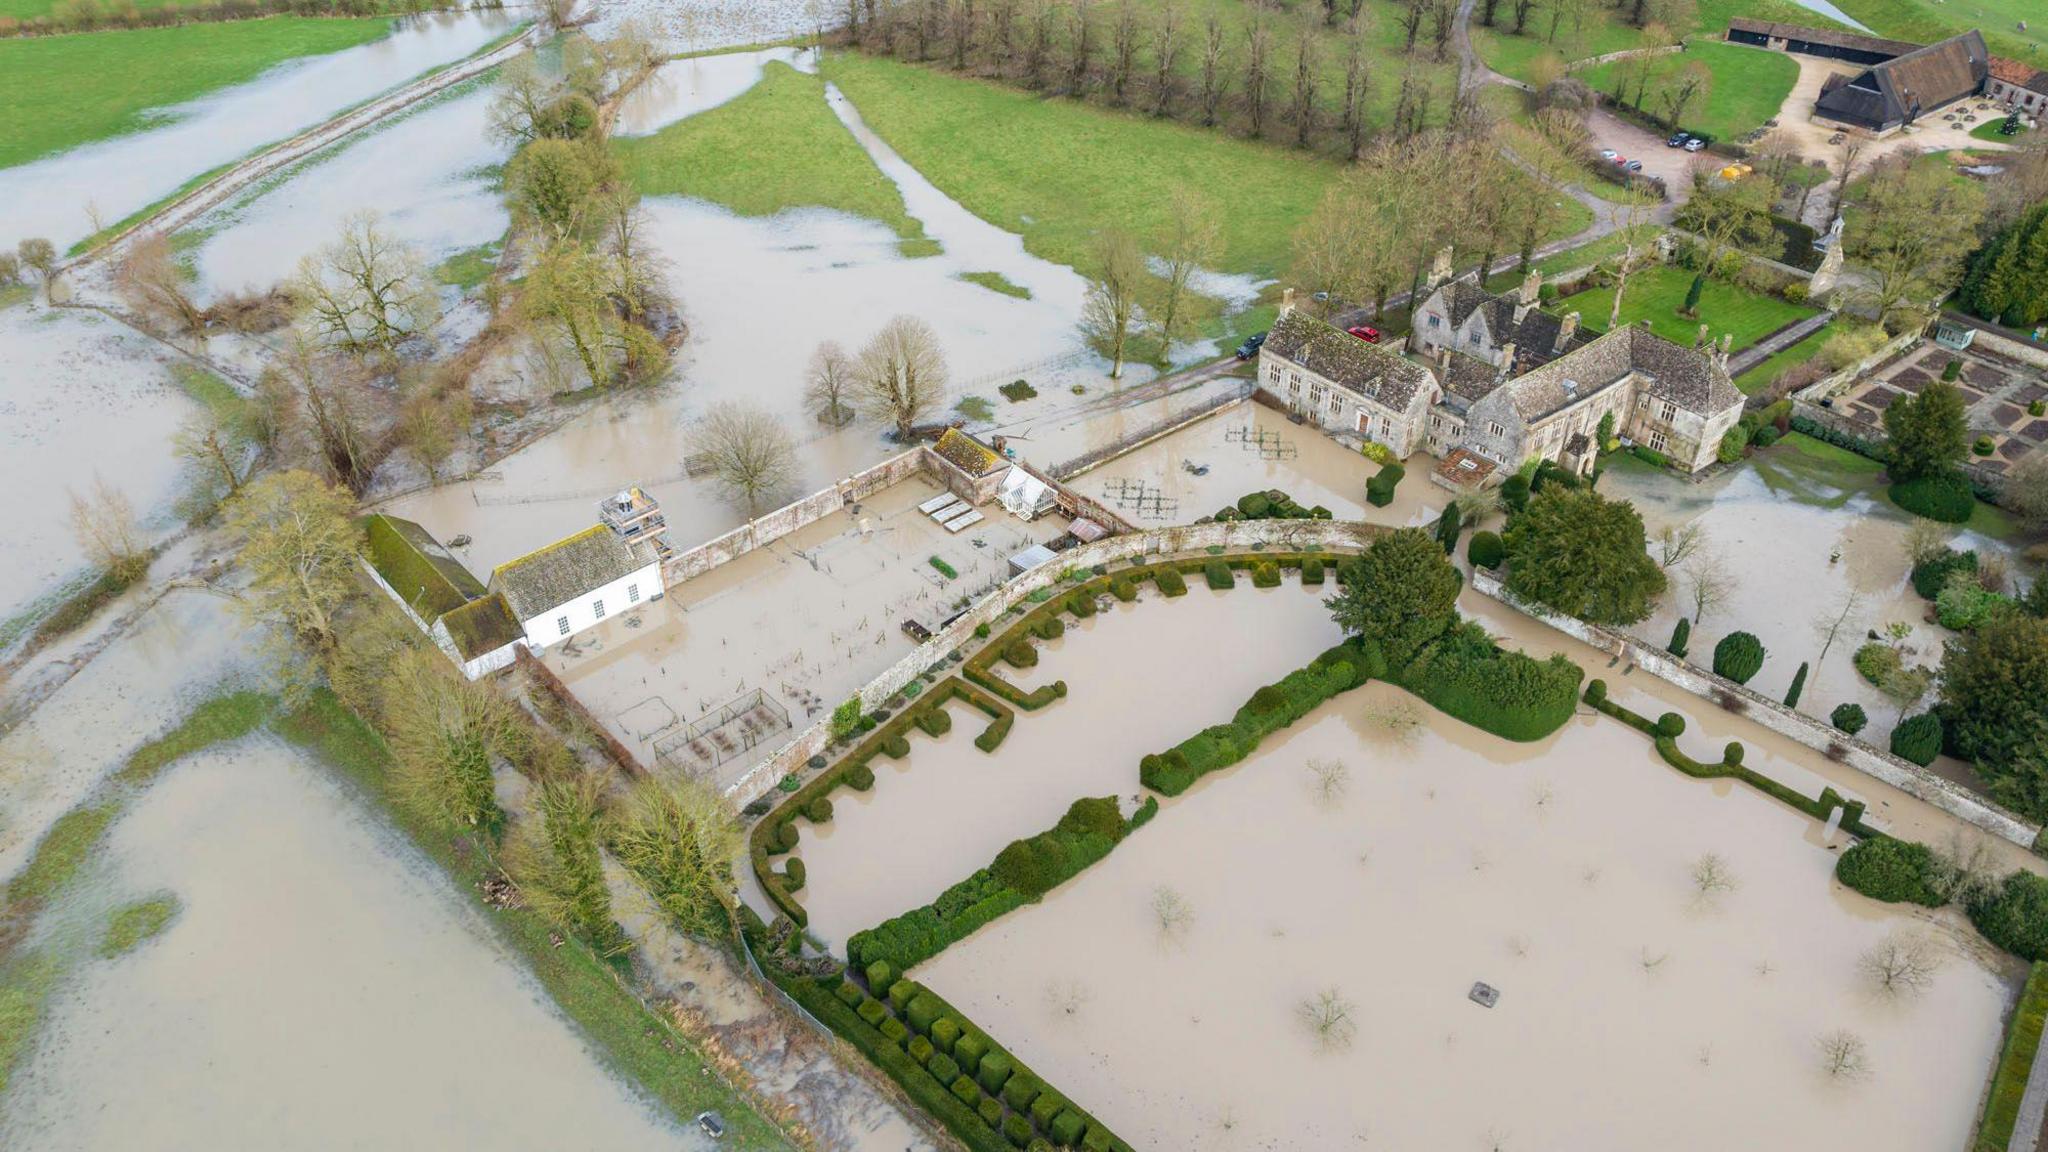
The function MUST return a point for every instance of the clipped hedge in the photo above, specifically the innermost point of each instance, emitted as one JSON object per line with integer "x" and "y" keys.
{"x": 1169, "y": 581}
{"x": 1049, "y": 628}
{"x": 1020, "y": 653}
{"x": 793, "y": 874}
{"x": 1266, "y": 574}
{"x": 1217, "y": 572}
{"x": 934, "y": 722}
{"x": 1270, "y": 709}
{"x": 1311, "y": 572}
{"x": 1894, "y": 871}
{"x": 1945, "y": 497}
{"x": 819, "y": 810}
{"x": 1510, "y": 694}
{"x": 2014, "y": 915}
{"x": 2015, "y": 1064}
{"x": 1918, "y": 739}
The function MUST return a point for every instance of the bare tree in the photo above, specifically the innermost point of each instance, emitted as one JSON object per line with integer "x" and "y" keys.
{"x": 1258, "y": 70}
{"x": 520, "y": 101}
{"x": 41, "y": 255}
{"x": 299, "y": 543}
{"x": 1691, "y": 82}
{"x": 103, "y": 523}
{"x": 212, "y": 445}
{"x": 1710, "y": 585}
{"x": 1844, "y": 1055}
{"x": 149, "y": 273}
{"x": 1173, "y": 914}
{"x": 1080, "y": 45}
{"x": 1676, "y": 542}
{"x": 1901, "y": 965}
{"x": 1123, "y": 52}
{"x": 1915, "y": 229}
{"x": 1330, "y": 1018}
{"x": 1213, "y": 81}
{"x": 900, "y": 374}
{"x": 827, "y": 384}
{"x": 1329, "y": 780}
{"x": 325, "y": 398}
{"x": 1633, "y": 223}
{"x": 1189, "y": 244}
{"x": 1966, "y": 867}
{"x": 1828, "y": 625}
{"x": 1038, "y": 49}
{"x": 1111, "y": 306}
{"x": 1357, "y": 88}
{"x": 367, "y": 291}
{"x": 1307, "y": 70}
{"x": 431, "y": 422}
{"x": 749, "y": 452}
{"x": 1165, "y": 55}
{"x": 1711, "y": 876}
{"x": 1398, "y": 719}
{"x": 1443, "y": 26}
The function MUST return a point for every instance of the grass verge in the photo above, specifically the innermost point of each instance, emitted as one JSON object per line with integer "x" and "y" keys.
{"x": 57, "y": 92}
{"x": 997, "y": 282}
{"x": 1764, "y": 371}
{"x": 133, "y": 924}
{"x": 721, "y": 156}
{"x": 1655, "y": 294}
{"x": 1750, "y": 85}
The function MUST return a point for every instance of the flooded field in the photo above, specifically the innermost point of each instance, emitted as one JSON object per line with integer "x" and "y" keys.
{"x": 84, "y": 396}
{"x": 428, "y": 172}
{"x": 1797, "y": 539}
{"x": 321, "y": 987}
{"x": 58, "y": 197}
{"x": 680, "y": 89}
{"x": 704, "y": 25}
{"x": 808, "y": 620}
{"x": 1124, "y": 699}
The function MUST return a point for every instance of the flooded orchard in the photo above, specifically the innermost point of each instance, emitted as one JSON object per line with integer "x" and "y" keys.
{"x": 1564, "y": 873}
{"x": 67, "y": 197}
{"x": 320, "y": 987}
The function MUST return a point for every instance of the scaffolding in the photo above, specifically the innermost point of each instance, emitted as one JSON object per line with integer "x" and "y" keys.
{"x": 1267, "y": 442}
{"x": 731, "y": 729}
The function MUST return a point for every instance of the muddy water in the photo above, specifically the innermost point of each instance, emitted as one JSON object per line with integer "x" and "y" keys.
{"x": 810, "y": 619}
{"x": 321, "y": 988}
{"x": 682, "y": 88}
{"x": 83, "y": 395}
{"x": 936, "y": 816}
{"x": 1633, "y": 1014}
{"x": 427, "y": 174}
{"x": 56, "y": 196}
{"x": 1797, "y": 537}
{"x": 704, "y": 25}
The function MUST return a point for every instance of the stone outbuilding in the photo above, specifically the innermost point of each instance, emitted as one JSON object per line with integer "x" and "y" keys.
{"x": 1338, "y": 382}
{"x": 1899, "y": 91}
{"x": 574, "y": 584}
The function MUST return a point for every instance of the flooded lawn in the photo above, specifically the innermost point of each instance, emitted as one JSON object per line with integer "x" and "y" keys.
{"x": 680, "y": 89}
{"x": 83, "y": 396}
{"x": 946, "y": 810}
{"x": 429, "y": 173}
{"x": 808, "y": 619}
{"x": 1797, "y": 536}
{"x": 320, "y": 988}
{"x": 1561, "y": 874}
{"x": 57, "y": 197}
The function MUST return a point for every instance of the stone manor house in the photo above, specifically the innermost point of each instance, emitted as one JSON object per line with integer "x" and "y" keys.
{"x": 1489, "y": 381}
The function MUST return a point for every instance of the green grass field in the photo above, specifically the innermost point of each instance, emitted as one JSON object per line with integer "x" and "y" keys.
{"x": 723, "y": 156}
{"x": 1655, "y": 295}
{"x": 1925, "y": 21}
{"x": 1989, "y": 130}
{"x": 1767, "y": 370}
{"x": 1750, "y": 85}
{"x": 58, "y": 92}
{"x": 1603, "y": 31}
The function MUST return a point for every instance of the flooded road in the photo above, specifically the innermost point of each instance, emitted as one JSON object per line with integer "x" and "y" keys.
{"x": 322, "y": 987}
{"x": 55, "y": 197}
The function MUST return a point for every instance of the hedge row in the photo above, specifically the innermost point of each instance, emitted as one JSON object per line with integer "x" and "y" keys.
{"x": 1894, "y": 871}
{"x": 2015, "y": 1064}
{"x": 1271, "y": 504}
{"x": 1270, "y": 709}
{"x": 1513, "y": 695}
{"x": 1023, "y": 871}
{"x": 776, "y": 833}
{"x": 1665, "y": 732}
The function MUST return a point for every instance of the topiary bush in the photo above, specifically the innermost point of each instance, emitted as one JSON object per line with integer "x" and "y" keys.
{"x": 1876, "y": 661}
{"x": 849, "y": 993}
{"x": 1681, "y": 634}
{"x": 1849, "y": 718}
{"x": 945, "y": 1033}
{"x": 1918, "y": 739}
{"x": 896, "y": 747}
{"x": 1732, "y": 754}
{"x": 1046, "y": 1107}
{"x": 1122, "y": 588}
{"x": 1081, "y": 604}
{"x": 1254, "y": 505}
{"x": 860, "y": 777}
{"x": 1485, "y": 550}
{"x": 871, "y": 1010}
{"x": 902, "y": 992}
{"x": 1169, "y": 581}
{"x": 1022, "y": 1089}
{"x": 1931, "y": 574}
{"x": 819, "y": 810}
{"x": 1019, "y": 653}
{"x": 1017, "y": 1130}
{"x": 942, "y": 1067}
{"x": 995, "y": 1071}
{"x": 991, "y": 1111}
{"x": 920, "y": 1049}
{"x": 785, "y": 837}
{"x": 1049, "y": 627}
{"x": 881, "y": 977}
{"x": 934, "y": 721}
{"x": 969, "y": 1051}
{"x": 1798, "y": 686}
{"x": 894, "y": 1032}
{"x": 967, "y": 1091}
{"x": 1596, "y": 691}
{"x": 1311, "y": 572}
{"x": 793, "y": 874}
{"x": 1671, "y": 725}
{"x": 1218, "y": 574}
{"x": 1266, "y": 574}
{"x": 2014, "y": 915}
{"x": 1065, "y": 1128}
{"x": 1894, "y": 871}
{"x": 1379, "y": 491}
{"x": 1738, "y": 657}
{"x": 923, "y": 1011}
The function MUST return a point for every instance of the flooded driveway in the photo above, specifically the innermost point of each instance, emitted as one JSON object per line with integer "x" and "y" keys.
{"x": 56, "y": 197}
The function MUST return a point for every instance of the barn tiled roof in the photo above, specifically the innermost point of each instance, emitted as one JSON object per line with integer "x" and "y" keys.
{"x": 1831, "y": 37}
{"x": 1343, "y": 359}
{"x": 543, "y": 580}
{"x": 2019, "y": 75}
{"x": 1685, "y": 376}
{"x": 1913, "y": 84}
{"x": 482, "y": 626}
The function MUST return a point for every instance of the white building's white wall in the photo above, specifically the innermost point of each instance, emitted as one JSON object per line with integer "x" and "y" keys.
{"x": 582, "y": 612}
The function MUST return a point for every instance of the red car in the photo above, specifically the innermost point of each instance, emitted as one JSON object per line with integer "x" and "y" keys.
{"x": 1369, "y": 335}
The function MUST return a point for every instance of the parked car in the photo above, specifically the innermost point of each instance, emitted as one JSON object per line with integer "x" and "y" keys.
{"x": 1695, "y": 144}
{"x": 1678, "y": 139}
{"x": 1634, "y": 166}
{"x": 1608, "y": 153}
{"x": 712, "y": 1124}
{"x": 1250, "y": 347}
{"x": 1620, "y": 161}
{"x": 1368, "y": 334}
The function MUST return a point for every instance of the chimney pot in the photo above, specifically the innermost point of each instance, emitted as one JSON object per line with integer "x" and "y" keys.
{"x": 1532, "y": 288}
{"x": 1286, "y": 301}
{"x": 1565, "y": 331}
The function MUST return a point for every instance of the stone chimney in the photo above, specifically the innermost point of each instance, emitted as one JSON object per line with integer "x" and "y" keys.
{"x": 1286, "y": 301}
{"x": 1532, "y": 288}
{"x": 1565, "y": 331}
{"x": 1721, "y": 349}
{"x": 1507, "y": 363}
{"x": 1700, "y": 341}
{"x": 1439, "y": 269}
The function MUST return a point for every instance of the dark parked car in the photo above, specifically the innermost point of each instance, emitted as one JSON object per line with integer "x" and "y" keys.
{"x": 1367, "y": 334}
{"x": 1678, "y": 139}
{"x": 712, "y": 1124}
{"x": 1250, "y": 347}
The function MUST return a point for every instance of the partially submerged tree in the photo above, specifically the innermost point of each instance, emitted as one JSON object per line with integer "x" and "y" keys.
{"x": 1901, "y": 965}
{"x": 1329, "y": 780}
{"x": 150, "y": 274}
{"x": 1398, "y": 594}
{"x": 1188, "y": 244}
{"x": 680, "y": 840}
{"x": 299, "y": 543}
{"x": 749, "y": 452}
{"x": 828, "y": 385}
{"x": 555, "y": 861}
{"x": 1110, "y": 309}
{"x": 1330, "y": 1018}
{"x": 1844, "y": 1055}
{"x": 103, "y": 523}
{"x": 1172, "y": 913}
{"x": 900, "y": 375}
{"x": 445, "y": 732}
{"x": 367, "y": 291}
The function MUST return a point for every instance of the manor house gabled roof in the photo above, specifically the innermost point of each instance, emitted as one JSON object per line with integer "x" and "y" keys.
{"x": 1686, "y": 377}
{"x": 1346, "y": 361}
{"x": 1911, "y": 85}
{"x": 550, "y": 577}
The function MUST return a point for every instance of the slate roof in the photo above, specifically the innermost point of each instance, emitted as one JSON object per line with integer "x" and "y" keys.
{"x": 1465, "y": 297}
{"x": 543, "y": 580}
{"x": 1911, "y": 85}
{"x": 1466, "y": 380}
{"x": 2019, "y": 75}
{"x": 1831, "y": 37}
{"x": 1365, "y": 369}
{"x": 482, "y": 626}
{"x": 1687, "y": 377}
{"x": 1535, "y": 337}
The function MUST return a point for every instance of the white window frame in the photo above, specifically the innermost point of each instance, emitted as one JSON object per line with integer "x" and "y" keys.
{"x": 562, "y": 625}
{"x": 632, "y": 593}
{"x": 597, "y": 609}
{"x": 1669, "y": 412}
{"x": 1494, "y": 430}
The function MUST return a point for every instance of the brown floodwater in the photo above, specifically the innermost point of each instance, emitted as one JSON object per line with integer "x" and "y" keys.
{"x": 321, "y": 987}
{"x": 946, "y": 810}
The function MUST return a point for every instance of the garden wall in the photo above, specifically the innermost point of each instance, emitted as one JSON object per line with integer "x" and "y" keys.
{"x": 1829, "y": 385}
{"x": 1907, "y": 777}
{"x": 1068, "y": 469}
{"x": 1232, "y": 536}
{"x": 790, "y": 517}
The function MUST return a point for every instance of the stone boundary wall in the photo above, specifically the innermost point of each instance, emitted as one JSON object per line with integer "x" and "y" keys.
{"x": 1087, "y": 461}
{"x": 790, "y": 517}
{"x": 1904, "y": 775}
{"x": 1232, "y": 536}
{"x": 545, "y": 679}
{"x": 1829, "y": 385}
{"x": 1596, "y": 61}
